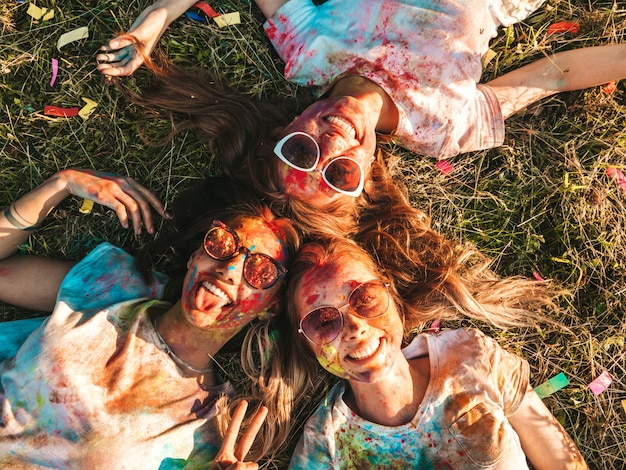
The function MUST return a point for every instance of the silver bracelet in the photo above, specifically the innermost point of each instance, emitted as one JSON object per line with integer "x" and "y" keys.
{"x": 16, "y": 223}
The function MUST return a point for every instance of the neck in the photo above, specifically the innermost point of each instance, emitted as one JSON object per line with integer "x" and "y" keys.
{"x": 382, "y": 109}
{"x": 394, "y": 400}
{"x": 193, "y": 345}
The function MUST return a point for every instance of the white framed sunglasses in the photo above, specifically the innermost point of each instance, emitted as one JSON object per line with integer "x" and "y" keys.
{"x": 300, "y": 151}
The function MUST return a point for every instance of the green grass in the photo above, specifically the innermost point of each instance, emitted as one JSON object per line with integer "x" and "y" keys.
{"x": 540, "y": 203}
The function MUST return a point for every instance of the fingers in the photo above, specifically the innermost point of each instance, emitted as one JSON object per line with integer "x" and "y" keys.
{"x": 246, "y": 441}
{"x": 230, "y": 438}
{"x": 127, "y": 198}
{"x": 119, "y": 62}
{"x": 228, "y": 455}
{"x": 137, "y": 202}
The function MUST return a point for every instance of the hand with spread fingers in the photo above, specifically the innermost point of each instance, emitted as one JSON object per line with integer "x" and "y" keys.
{"x": 121, "y": 56}
{"x": 122, "y": 194}
{"x": 231, "y": 454}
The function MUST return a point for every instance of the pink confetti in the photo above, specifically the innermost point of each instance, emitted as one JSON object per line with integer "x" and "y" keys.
{"x": 601, "y": 383}
{"x": 538, "y": 277}
{"x": 435, "y": 327}
{"x": 55, "y": 70}
{"x": 618, "y": 176}
{"x": 444, "y": 166}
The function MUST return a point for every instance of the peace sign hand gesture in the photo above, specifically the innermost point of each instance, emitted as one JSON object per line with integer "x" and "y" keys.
{"x": 230, "y": 457}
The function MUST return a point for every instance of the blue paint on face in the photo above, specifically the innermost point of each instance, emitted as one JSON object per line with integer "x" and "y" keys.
{"x": 192, "y": 276}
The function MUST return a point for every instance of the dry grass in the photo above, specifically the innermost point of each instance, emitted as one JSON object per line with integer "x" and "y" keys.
{"x": 541, "y": 203}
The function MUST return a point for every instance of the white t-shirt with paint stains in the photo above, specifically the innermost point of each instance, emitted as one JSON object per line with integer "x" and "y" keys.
{"x": 426, "y": 54}
{"x": 461, "y": 423}
{"x": 92, "y": 388}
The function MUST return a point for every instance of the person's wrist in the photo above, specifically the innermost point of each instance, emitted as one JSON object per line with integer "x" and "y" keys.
{"x": 15, "y": 218}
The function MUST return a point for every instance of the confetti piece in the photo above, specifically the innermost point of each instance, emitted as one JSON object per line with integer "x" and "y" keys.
{"x": 193, "y": 16}
{"x": 563, "y": 27}
{"x": 552, "y": 385}
{"x": 86, "y": 207}
{"x": 55, "y": 70}
{"x": 601, "y": 383}
{"x": 538, "y": 277}
{"x": 435, "y": 327}
{"x": 618, "y": 176}
{"x": 444, "y": 166}
{"x": 74, "y": 35}
{"x": 488, "y": 57}
{"x": 227, "y": 19}
{"x": 207, "y": 9}
{"x": 60, "y": 112}
{"x": 88, "y": 109}
{"x": 43, "y": 14}
{"x": 609, "y": 88}
{"x": 624, "y": 404}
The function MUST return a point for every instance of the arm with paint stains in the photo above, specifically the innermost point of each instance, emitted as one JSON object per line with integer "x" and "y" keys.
{"x": 544, "y": 441}
{"x": 120, "y": 57}
{"x": 32, "y": 281}
{"x": 564, "y": 71}
{"x": 269, "y": 7}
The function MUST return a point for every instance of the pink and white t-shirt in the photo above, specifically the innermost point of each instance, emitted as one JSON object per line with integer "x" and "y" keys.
{"x": 426, "y": 54}
{"x": 462, "y": 422}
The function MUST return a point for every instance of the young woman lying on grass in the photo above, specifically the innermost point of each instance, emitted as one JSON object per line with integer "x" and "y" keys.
{"x": 406, "y": 69}
{"x": 116, "y": 377}
{"x": 450, "y": 399}
{"x": 320, "y": 162}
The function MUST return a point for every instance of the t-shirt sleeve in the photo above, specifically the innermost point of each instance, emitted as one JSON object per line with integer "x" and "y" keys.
{"x": 315, "y": 448}
{"x": 289, "y": 30}
{"x": 106, "y": 276}
{"x": 482, "y": 127}
{"x": 509, "y": 373}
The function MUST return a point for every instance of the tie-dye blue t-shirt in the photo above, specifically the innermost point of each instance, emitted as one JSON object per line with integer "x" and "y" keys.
{"x": 92, "y": 386}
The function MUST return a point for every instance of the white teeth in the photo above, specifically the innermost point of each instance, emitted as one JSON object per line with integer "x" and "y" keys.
{"x": 366, "y": 352}
{"x": 216, "y": 290}
{"x": 342, "y": 123}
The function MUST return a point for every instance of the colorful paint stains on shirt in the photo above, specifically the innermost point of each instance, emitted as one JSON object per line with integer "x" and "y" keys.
{"x": 90, "y": 388}
{"x": 461, "y": 423}
{"x": 426, "y": 54}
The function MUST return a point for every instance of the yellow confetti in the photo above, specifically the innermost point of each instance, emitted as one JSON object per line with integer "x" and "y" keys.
{"x": 86, "y": 207}
{"x": 228, "y": 19}
{"x": 88, "y": 109}
{"x": 43, "y": 14}
{"x": 624, "y": 404}
{"x": 74, "y": 35}
{"x": 488, "y": 57}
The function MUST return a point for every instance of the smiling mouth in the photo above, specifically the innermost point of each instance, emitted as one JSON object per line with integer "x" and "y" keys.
{"x": 342, "y": 123}
{"x": 368, "y": 351}
{"x": 212, "y": 288}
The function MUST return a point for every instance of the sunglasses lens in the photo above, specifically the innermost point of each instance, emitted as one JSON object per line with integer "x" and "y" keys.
{"x": 343, "y": 173}
{"x": 322, "y": 325}
{"x": 369, "y": 300}
{"x": 260, "y": 271}
{"x": 220, "y": 243}
{"x": 301, "y": 151}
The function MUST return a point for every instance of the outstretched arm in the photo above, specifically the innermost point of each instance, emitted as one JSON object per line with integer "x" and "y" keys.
{"x": 565, "y": 71}
{"x": 119, "y": 56}
{"x": 544, "y": 441}
{"x": 33, "y": 282}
